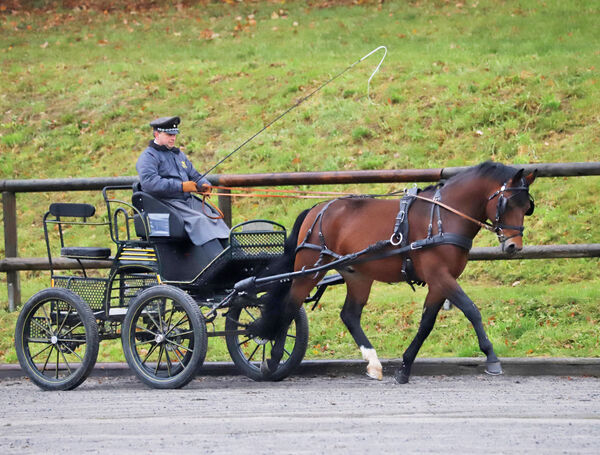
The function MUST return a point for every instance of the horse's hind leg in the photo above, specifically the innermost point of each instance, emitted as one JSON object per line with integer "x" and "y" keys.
{"x": 466, "y": 305}
{"x": 431, "y": 308}
{"x": 299, "y": 290}
{"x": 356, "y": 298}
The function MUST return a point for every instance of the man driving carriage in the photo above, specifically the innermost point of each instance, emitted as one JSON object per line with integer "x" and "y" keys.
{"x": 166, "y": 173}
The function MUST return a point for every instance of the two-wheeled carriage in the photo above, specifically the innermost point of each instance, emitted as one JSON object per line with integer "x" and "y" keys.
{"x": 159, "y": 296}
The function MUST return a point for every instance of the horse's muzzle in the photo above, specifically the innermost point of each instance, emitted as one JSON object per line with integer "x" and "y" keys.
{"x": 511, "y": 247}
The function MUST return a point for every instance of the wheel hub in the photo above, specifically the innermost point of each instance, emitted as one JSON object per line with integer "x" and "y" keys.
{"x": 54, "y": 339}
{"x": 160, "y": 338}
{"x": 260, "y": 341}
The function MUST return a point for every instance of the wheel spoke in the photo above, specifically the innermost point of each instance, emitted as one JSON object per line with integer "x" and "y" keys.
{"x": 48, "y": 320}
{"x": 43, "y": 350}
{"x": 180, "y": 346}
{"x": 168, "y": 362}
{"x": 64, "y": 320}
{"x": 68, "y": 332}
{"x": 72, "y": 340}
{"x": 249, "y": 314}
{"x": 57, "y": 362}
{"x": 160, "y": 318}
{"x": 152, "y": 349}
{"x": 160, "y": 353}
{"x": 48, "y": 330}
{"x": 145, "y": 329}
{"x": 179, "y": 355}
{"x": 74, "y": 353}
{"x": 66, "y": 362}
{"x": 183, "y": 319}
{"x": 153, "y": 320}
{"x": 254, "y": 352}
{"x": 39, "y": 340}
{"x": 244, "y": 341}
{"x": 48, "y": 358}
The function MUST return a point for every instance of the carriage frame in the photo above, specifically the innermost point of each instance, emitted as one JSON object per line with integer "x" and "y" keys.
{"x": 160, "y": 294}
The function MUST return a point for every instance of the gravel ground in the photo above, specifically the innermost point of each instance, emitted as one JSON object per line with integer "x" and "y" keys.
{"x": 341, "y": 414}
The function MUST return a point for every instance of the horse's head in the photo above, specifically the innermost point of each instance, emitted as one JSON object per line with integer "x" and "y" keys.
{"x": 507, "y": 208}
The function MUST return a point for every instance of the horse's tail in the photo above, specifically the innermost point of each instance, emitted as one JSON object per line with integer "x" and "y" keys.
{"x": 273, "y": 303}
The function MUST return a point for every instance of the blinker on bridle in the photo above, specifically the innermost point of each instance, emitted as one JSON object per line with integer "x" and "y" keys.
{"x": 501, "y": 208}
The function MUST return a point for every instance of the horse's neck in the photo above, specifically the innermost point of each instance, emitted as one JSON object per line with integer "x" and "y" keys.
{"x": 471, "y": 198}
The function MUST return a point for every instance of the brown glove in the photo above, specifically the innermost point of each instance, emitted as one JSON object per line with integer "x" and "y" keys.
{"x": 189, "y": 186}
{"x": 205, "y": 188}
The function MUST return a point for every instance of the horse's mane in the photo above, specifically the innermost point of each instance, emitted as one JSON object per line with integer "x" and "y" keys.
{"x": 488, "y": 169}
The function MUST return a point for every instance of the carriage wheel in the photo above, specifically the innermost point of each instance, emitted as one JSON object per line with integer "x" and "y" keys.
{"x": 164, "y": 337}
{"x": 249, "y": 352}
{"x": 56, "y": 339}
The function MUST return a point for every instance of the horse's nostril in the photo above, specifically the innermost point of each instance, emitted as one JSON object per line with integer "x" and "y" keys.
{"x": 512, "y": 248}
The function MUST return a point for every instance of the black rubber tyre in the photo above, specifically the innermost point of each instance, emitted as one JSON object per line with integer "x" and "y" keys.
{"x": 248, "y": 353}
{"x": 56, "y": 339}
{"x": 164, "y": 337}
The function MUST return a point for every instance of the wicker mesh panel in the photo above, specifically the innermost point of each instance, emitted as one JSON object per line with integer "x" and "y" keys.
{"x": 91, "y": 290}
{"x": 257, "y": 245}
{"x": 126, "y": 286}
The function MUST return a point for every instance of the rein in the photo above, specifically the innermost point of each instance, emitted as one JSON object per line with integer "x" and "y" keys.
{"x": 482, "y": 224}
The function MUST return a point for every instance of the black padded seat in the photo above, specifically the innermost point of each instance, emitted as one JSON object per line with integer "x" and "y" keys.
{"x": 85, "y": 252}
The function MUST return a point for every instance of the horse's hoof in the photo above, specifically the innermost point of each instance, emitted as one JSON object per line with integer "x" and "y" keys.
{"x": 376, "y": 376}
{"x": 264, "y": 369}
{"x": 493, "y": 368}
{"x": 401, "y": 377}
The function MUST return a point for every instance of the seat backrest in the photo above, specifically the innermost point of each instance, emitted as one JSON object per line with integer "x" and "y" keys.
{"x": 163, "y": 221}
{"x": 75, "y": 210}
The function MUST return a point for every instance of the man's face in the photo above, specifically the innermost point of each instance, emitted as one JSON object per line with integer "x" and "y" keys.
{"x": 166, "y": 139}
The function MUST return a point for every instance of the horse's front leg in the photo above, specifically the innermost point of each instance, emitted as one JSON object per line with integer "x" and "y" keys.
{"x": 431, "y": 308}
{"x": 466, "y": 305}
{"x": 356, "y": 299}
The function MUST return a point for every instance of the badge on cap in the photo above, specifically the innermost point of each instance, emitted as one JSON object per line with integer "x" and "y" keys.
{"x": 167, "y": 125}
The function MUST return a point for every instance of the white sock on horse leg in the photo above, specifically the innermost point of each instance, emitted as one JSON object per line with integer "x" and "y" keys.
{"x": 374, "y": 368}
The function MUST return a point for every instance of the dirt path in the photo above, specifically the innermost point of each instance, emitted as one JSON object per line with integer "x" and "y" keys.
{"x": 347, "y": 414}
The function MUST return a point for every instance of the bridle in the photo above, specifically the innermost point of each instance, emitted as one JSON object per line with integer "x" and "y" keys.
{"x": 501, "y": 208}
{"x": 496, "y": 227}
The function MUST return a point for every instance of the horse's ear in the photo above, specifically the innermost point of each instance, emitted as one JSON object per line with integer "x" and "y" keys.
{"x": 531, "y": 177}
{"x": 517, "y": 177}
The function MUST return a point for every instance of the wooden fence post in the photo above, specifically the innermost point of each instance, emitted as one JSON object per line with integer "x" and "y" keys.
{"x": 225, "y": 206}
{"x": 9, "y": 203}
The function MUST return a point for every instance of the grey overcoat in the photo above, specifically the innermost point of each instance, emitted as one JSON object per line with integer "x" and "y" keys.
{"x": 162, "y": 171}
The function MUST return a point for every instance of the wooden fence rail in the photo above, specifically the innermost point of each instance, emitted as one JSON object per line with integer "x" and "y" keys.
{"x": 11, "y": 264}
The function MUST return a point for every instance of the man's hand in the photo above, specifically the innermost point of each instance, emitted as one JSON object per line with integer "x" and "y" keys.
{"x": 189, "y": 186}
{"x": 205, "y": 188}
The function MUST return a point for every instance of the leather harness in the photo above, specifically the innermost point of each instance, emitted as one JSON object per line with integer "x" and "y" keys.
{"x": 398, "y": 240}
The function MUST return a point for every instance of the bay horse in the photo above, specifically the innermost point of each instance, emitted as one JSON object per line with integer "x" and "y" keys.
{"x": 456, "y": 209}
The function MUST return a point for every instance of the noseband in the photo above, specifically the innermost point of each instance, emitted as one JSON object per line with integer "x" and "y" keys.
{"x": 501, "y": 208}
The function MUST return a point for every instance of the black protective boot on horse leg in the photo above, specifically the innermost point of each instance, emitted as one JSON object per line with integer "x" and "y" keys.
{"x": 269, "y": 366}
{"x": 428, "y": 317}
{"x": 461, "y": 301}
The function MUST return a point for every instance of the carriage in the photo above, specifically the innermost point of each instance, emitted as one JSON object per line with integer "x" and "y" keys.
{"x": 160, "y": 295}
